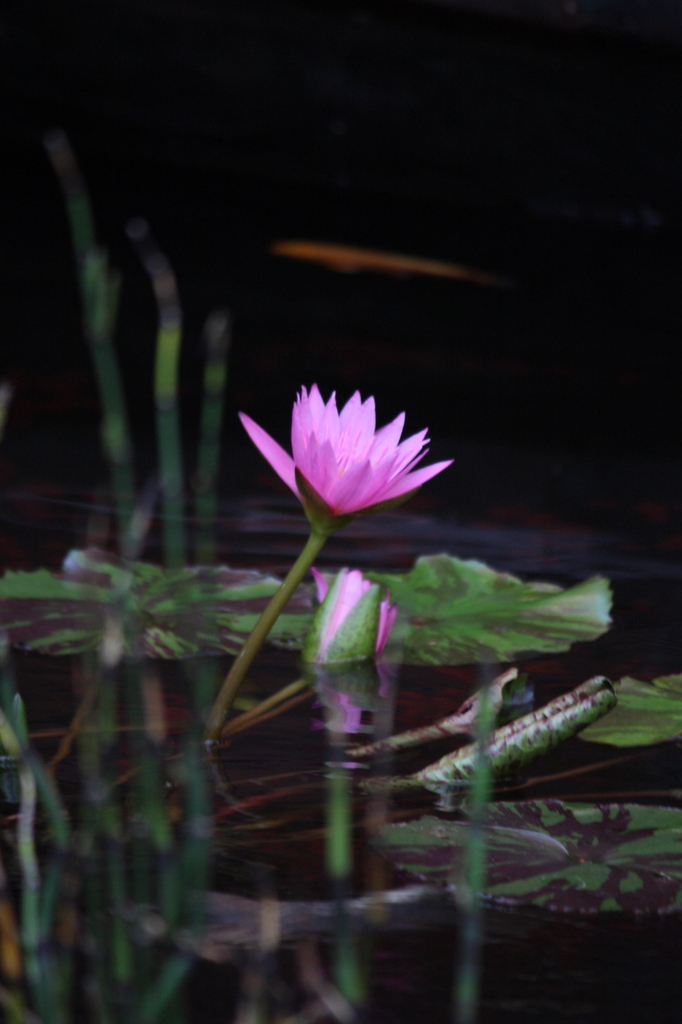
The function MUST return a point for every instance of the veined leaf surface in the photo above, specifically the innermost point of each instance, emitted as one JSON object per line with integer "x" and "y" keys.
{"x": 175, "y": 612}
{"x": 646, "y": 713}
{"x": 579, "y": 858}
{"x": 463, "y": 611}
{"x": 459, "y": 612}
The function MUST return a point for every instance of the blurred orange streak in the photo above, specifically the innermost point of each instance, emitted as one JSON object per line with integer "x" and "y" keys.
{"x": 349, "y": 260}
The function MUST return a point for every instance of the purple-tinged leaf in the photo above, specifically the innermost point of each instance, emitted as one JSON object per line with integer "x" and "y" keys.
{"x": 175, "y": 613}
{"x": 577, "y": 858}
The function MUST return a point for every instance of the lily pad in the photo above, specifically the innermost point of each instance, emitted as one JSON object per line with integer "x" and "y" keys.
{"x": 459, "y": 612}
{"x": 463, "y": 611}
{"x": 175, "y": 612}
{"x": 578, "y": 858}
{"x": 646, "y": 713}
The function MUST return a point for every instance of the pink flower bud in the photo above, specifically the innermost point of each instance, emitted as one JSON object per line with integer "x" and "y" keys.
{"x": 351, "y": 623}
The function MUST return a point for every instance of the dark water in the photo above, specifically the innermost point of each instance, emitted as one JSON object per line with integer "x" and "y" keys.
{"x": 537, "y": 966}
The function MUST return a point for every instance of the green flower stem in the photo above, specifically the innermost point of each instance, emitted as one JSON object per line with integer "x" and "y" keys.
{"x": 228, "y": 691}
{"x": 241, "y": 722}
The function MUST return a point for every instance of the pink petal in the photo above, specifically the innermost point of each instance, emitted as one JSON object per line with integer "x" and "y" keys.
{"x": 281, "y": 462}
{"x": 410, "y": 449}
{"x": 302, "y": 439}
{"x": 312, "y": 423}
{"x": 347, "y": 492}
{"x": 308, "y": 410}
{"x": 370, "y": 490}
{"x": 386, "y": 439}
{"x": 385, "y": 476}
{"x": 358, "y": 420}
{"x": 350, "y": 411}
{"x": 349, "y": 418}
{"x": 321, "y": 584}
{"x": 415, "y": 479}
{"x": 302, "y": 422}
{"x": 327, "y": 429}
{"x": 387, "y": 616}
{"x": 316, "y": 405}
{"x": 323, "y": 470}
{"x": 351, "y": 589}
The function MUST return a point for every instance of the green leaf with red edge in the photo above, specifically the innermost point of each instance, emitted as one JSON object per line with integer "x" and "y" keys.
{"x": 646, "y": 713}
{"x": 175, "y": 613}
{"x": 461, "y": 612}
{"x": 577, "y": 858}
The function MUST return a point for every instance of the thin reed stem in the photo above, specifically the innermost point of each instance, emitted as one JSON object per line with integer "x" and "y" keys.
{"x": 11, "y": 960}
{"x": 109, "y": 824}
{"x": 28, "y": 859}
{"x": 467, "y": 980}
{"x": 48, "y": 972}
{"x": 168, "y": 434}
{"x": 108, "y": 898}
{"x": 6, "y": 395}
{"x": 74, "y": 727}
{"x": 99, "y": 288}
{"x": 171, "y": 976}
{"x": 217, "y": 336}
{"x": 339, "y": 863}
{"x": 184, "y": 871}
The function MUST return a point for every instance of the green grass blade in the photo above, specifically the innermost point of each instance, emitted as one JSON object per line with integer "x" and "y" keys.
{"x": 168, "y": 339}
{"x": 217, "y": 337}
{"x": 99, "y": 289}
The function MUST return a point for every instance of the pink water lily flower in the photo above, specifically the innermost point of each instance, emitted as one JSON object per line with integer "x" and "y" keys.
{"x": 341, "y": 466}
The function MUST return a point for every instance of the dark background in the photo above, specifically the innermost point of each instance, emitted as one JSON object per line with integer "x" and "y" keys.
{"x": 545, "y": 146}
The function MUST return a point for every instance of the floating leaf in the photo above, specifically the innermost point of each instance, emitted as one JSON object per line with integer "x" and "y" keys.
{"x": 581, "y": 858}
{"x": 459, "y": 611}
{"x": 517, "y": 743}
{"x": 51, "y": 613}
{"x": 175, "y": 612}
{"x": 463, "y": 611}
{"x": 645, "y": 713}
